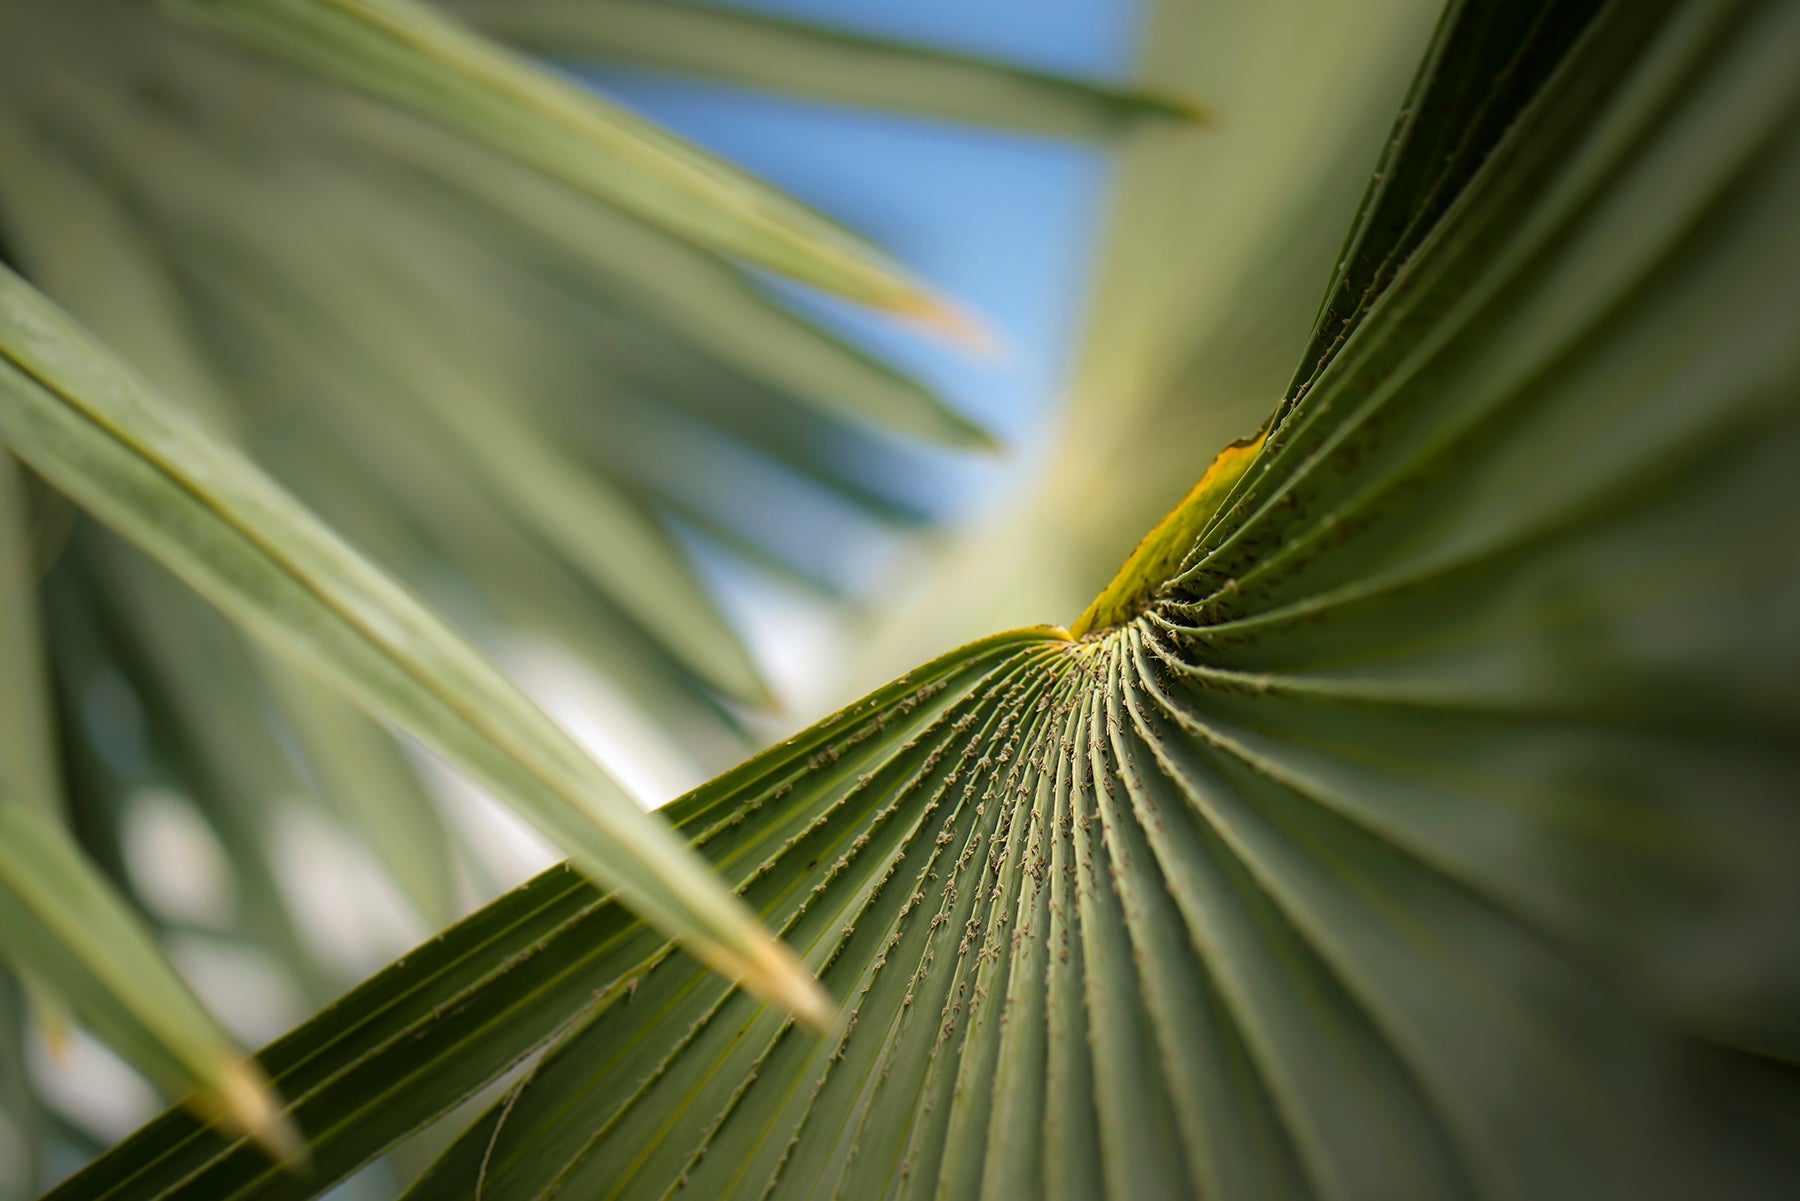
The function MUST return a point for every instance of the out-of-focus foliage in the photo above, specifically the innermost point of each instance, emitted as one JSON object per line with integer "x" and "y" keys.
{"x": 1425, "y": 831}
{"x": 765, "y": 51}
{"x": 495, "y": 348}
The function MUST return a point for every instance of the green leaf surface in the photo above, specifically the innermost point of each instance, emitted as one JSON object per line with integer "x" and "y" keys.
{"x": 414, "y": 1040}
{"x": 810, "y": 59}
{"x": 86, "y": 247}
{"x": 62, "y": 923}
{"x": 1483, "y": 68}
{"x": 1428, "y": 833}
{"x": 96, "y": 432}
{"x": 410, "y": 55}
{"x": 28, "y": 772}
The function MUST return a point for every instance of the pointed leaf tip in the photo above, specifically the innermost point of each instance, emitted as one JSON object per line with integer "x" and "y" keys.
{"x": 972, "y": 437}
{"x": 793, "y": 986}
{"x": 773, "y": 972}
{"x": 243, "y": 1100}
{"x": 1195, "y": 111}
{"x": 953, "y": 323}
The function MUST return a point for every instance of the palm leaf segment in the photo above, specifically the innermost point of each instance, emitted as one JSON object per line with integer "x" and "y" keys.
{"x": 1428, "y": 833}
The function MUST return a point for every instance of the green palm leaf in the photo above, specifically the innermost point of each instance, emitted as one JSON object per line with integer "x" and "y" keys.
{"x": 408, "y": 53}
{"x": 95, "y": 431}
{"x": 760, "y": 50}
{"x": 28, "y": 772}
{"x": 61, "y": 921}
{"x": 1427, "y": 831}
{"x": 78, "y": 945}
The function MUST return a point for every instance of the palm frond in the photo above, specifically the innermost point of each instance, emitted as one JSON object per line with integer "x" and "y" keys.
{"x": 1427, "y": 832}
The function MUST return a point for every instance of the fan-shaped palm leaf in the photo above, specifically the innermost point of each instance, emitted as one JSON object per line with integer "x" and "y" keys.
{"x": 1426, "y": 832}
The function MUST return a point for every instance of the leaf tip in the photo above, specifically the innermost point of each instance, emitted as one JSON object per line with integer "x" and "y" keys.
{"x": 53, "y": 1020}
{"x": 1192, "y": 110}
{"x": 953, "y": 323}
{"x": 776, "y": 973}
{"x": 244, "y": 1100}
{"x": 968, "y": 435}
